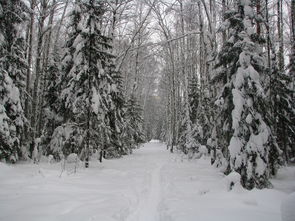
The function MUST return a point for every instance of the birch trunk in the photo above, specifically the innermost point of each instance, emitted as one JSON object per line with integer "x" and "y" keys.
{"x": 281, "y": 36}
{"x": 38, "y": 67}
{"x": 30, "y": 55}
{"x": 46, "y": 56}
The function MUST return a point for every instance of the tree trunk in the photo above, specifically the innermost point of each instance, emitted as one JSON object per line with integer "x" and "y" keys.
{"x": 223, "y": 18}
{"x": 258, "y": 8}
{"x": 30, "y": 55}
{"x": 46, "y": 55}
{"x": 59, "y": 25}
{"x": 268, "y": 37}
{"x": 292, "y": 59}
{"x": 38, "y": 67}
{"x": 185, "y": 75}
{"x": 281, "y": 36}
{"x": 292, "y": 34}
{"x": 201, "y": 54}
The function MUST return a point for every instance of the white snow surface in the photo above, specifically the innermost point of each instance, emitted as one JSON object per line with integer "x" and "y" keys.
{"x": 149, "y": 185}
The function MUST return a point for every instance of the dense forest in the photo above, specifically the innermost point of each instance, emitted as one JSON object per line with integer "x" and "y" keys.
{"x": 103, "y": 76}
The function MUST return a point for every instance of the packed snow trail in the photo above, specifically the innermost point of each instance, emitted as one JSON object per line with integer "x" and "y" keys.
{"x": 149, "y": 185}
{"x": 148, "y": 207}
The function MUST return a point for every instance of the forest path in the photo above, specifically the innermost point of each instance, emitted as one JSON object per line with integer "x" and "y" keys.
{"x": 154, "y": 159}
{"x": 150, "y": 185}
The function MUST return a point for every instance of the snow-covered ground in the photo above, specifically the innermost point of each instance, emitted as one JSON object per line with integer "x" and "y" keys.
{"x": 149, "y": 185}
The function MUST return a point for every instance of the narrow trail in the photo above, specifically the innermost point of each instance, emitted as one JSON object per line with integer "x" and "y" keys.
{"x": 148, "y": 207}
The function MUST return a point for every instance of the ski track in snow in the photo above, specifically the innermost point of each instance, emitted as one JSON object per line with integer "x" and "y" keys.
{"x": 149, "y": 185}
{"x": 148, "y": 208}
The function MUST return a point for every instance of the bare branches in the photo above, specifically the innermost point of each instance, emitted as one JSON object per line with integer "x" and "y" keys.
{"x": 137, "y": 31}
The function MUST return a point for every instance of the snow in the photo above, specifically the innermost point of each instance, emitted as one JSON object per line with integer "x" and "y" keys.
{"x": 13, "y": 92}
{"x": 72, "y": 158}
{"x": 233, "y": 180}
{"x": 239, "y": 102}
{"x": 1, "y": 39}
{"x": 95, "y": 101}
{"x": 62, "y": 134}
{"x": 245, "y": 2}
{"x": 4, "y": 128}
{"x": 149, "y": 185}
{"x": 257, "y": 142}
{"x": 287, "y": 208}
{"x": 235, "y": 146}
{"x": 249, "y": 102}
{"x": 249, "y": 119}
{"x": 249, "y": 11}
{"x": 239, "y": 81}
{"x": 254, "y": 75}
{"x": 203, "y": 150}
{"x": 244, "y": 60}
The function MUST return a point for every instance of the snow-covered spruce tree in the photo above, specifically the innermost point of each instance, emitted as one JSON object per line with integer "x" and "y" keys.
{"x": 53, "y": 118}
{"x": 241, "y": 134}
{"x": 116, "y": 113}
{"x": 90, "y": 90}
{"x": 190, "y": 132}
{"x": 205, "y": 117}
{"x": 132, "y": 131}
{"x": 12, "y": 75}
{"x": 186, "y": 141}
{"x": 189, "y": 137}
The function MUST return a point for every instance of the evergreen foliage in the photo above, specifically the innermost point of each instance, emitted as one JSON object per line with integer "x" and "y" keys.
{"x": 242, "y": 111}
{"x": 283, "y": 112}
{"x": 190, "y": 137}
{"x": 242, "y": 134}
{"x": 133, "y": 134}
{"x": 52, "y": 103}
{"x": 91, "y": 97}
{"x": 190, "y": 132}
{"x": 12, "y": 75}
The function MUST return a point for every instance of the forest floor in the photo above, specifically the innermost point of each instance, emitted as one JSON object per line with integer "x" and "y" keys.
{"x": 149, "y": 185}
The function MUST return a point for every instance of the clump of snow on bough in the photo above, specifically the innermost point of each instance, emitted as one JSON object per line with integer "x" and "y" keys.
{"x": 233, "y": 180}
{"x": 70, "y": 164}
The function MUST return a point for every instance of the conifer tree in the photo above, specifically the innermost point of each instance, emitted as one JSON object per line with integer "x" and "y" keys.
{"x": 190, "y": 131}
{"x": 115, "y": 113}
{"x": 133, "y": 134}
{"x": 242, "y": 134}
{"x": 12, "y": 76}
{"x": 189, "y": 136}
{"x": 90, "y": 93}
{"x": 53, "y": 118}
